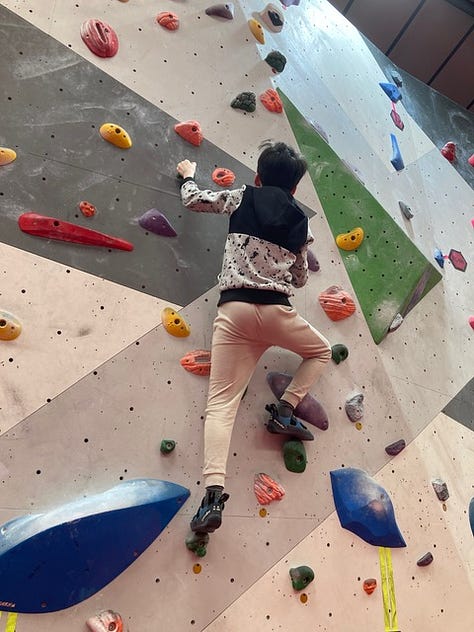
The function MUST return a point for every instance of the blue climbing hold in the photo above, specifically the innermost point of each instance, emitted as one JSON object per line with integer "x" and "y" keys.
{"x": 391, "y": 91}
{"x": 439, "y": 257}
{"x": 396, "y": 160}
{"x": 365, "y": 508}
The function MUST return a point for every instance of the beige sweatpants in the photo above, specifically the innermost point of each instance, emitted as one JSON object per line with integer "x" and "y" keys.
{"x": 242, "y": 333}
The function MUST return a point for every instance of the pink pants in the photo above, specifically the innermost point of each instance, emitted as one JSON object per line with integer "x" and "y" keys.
{"x": 242, "y": 333}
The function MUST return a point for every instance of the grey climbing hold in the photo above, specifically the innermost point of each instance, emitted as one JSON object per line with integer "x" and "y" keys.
{"x": 406, "y": 210}
{"x": 354, "y": 407}
{"x": 301, "y": 577}
{"x": 441, "y": 489}
{"x": 276, "y": 60}
{"x": 294, "y": 455}
{"x": 397, "y": 80}
{"x": 396, "y": 447}
{"x": 339, "y": 353}
{"x": 395, "y": 324}
{"x": 425, "y": 560}
{"x": 222, "y": 10}
{"x": 245, "y": 101}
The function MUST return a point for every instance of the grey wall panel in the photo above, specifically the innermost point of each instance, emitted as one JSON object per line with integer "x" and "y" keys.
{"x": 432, "y": 35}
{"x": 456, "y": 78}
{"x": 340, "y": 4}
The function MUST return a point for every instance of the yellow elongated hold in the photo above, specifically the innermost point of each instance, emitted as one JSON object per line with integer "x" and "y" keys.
{"x": 257, "y": 30}
{"x": 10, "y": 326}
{"x": 7, "y": 156}
{"x": 116, "y": 135}
{"x": 174, "y": 323}
{"x": 350, "y": 240}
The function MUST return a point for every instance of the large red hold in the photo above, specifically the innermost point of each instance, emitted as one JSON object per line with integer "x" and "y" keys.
{"x": 99, "y": 37}
{"x": 190, "y": 131}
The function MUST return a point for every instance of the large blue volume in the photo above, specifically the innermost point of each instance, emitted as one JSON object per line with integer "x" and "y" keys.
{"x": 57, "y": 559}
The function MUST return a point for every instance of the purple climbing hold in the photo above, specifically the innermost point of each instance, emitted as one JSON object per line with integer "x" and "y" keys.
{"x": 222, "y": 10}
{"x": 309, "y": 409}
{"x": 289, "y": 3}
{"x": 313, "y": 263}
{"x": 155, "y": 222}
{"x": 396, "y": 447}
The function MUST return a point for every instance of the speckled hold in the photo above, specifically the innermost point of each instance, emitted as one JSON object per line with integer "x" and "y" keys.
{"x": 441, "y": 489}
{"x": 245, "y": 101}
{"x": 301, "y": 577}
{"x": 425, "y": 560}
{"x": 10, "y": 326}
{"x": 221, "y": 10}
{"x": 276, "y": 60}
{"x": 354, "y": 407}
{"x": 155, "y": 222}
{"x": 273, "y": 18}
{"x": 105, "y": 621}
{"x": 294, "y": 455}
{"x": 313, "y": 263}
{"x": 339, "y": 353}
{"x": 396, "y": 447}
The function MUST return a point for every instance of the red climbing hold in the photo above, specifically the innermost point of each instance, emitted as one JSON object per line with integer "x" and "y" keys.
{"x": 87, "y": 209}
{"x": 272, "y": 101}
{"x": 190, "y": 131}
{"x": 99, "y": 37}
{"x": 449, "y": 151}
{"x": 223, "y": 177}
{"x": 52, "y": 228}
{"x": 168, "y": 20}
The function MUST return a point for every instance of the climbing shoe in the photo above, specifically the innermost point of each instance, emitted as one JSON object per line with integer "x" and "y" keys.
{"x": 288, "y": 426}
{"x": 208, "y": 517}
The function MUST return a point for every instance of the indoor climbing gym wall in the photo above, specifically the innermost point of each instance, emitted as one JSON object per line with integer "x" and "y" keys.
{"x": 108, "y": 290}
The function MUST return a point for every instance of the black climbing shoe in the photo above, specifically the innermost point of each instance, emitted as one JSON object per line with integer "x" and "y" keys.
{"x": 208, "y": 517}
{"x": 289, "y": 426}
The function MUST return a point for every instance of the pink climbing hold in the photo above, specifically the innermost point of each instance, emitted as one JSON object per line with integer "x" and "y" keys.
{"x": 266, "y": 489}
{"x": 100, "y": 38}
{"x": 471, "y": 321}
{"x": 449, "y": 151}
{"x": 471, "y": 160}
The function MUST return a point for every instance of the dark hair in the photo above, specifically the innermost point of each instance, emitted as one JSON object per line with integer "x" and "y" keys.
{"x": 279, "y": 165}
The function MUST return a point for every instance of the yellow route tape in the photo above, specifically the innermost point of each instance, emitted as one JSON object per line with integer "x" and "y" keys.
{"x": 11, "y": 621}
{"x": 388, "y": 590}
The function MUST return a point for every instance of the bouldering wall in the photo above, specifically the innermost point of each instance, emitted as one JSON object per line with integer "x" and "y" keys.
{"x": 93, "y": 384}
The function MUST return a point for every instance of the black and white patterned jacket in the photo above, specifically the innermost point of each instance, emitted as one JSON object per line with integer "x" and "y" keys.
{"x": 265, "y": 254}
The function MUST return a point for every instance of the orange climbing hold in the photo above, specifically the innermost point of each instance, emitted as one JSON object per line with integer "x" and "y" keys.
{"x": 266, "y": 489}
{"x": 10, "y": 326}
{"x": 350, "y": 240}
{"x": 174, "y": 323}
{"x": 197, "y": 362}
{"x": 337, "y": 303}
{"x": 168, "y": 20}
{"x": 87, "y": 209}
{"x": 7, "y": 156}
{"x": 370, "y": 585}
{"x": 223, "y": 177}
{"x": 272, "y": 101}
{"x": 190, "y": 131}
{"x": 116, "y": 135}
{"x": 257, "y": 30}
{"x": 105, "y": 621}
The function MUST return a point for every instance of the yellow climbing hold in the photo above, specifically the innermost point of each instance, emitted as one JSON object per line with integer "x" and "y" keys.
{"x": 116, "y": 135}
{"x": 174, "y": 323}
{"x": 257, "y": 30}
{"x": 197, "y": 568}
{"x": 262, "y": 512}
{"x": 7, "y": 156}
{"x": 350, "y": 240}
{"x": 303, "y": 597}
{"x": 10, "y": 326}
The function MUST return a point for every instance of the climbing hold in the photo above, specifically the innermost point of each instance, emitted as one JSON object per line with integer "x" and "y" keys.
{"x": 354, "y": 407}
{"x": 301, "y": 576}
{"x": 350, "y": 240}
{"x": 309, "y": 409}
{"x": 245, "y": 101}
{"x": 190, "y": 131}
{"x": 52, "y": 228}
{"x": 99, "y": 37}
{"x": 396, "y": 447}
{"x": 313, "y": 263}
{"x": 6, "y": 156}
{"x": 396, "y": 323}
{"x": 266, "y": 489}
{"x": 197, "y": 362}
{"x": 339, "y": 353}
{"x": 222, "y": 10}
{"x": 395, "y": 116}
{"x": 396, "y": 160}
{"x": 471, "y": 160}
{"x": 441, "y": 489}
{"x": 272, "y": 101}
{"x": 10, "y": 326}
{"x": 168, "y": 20}
{"x": 288, "y": 3}
{"x": 257, "y": 30}
{"x": 391, "y": 91}
{"x": 337, "y": 303}
{"x": 457, "y": 259}
{"x": 294, "y": 455}
{"x": 276, "y": 60}
{"x": 105, "y": 621}
{"x": 174, "y": 323}
{"x": 406, "y": 210}
{"x": 471, "y": 515}
{"x": 197, "y": 543}
{"x": 397, "y": 80}
{"x": 167, "y": 446}
{"x": 439, "y": 257}
{"x": 425, "y": 560}
{"x": 449, "y": 151}
{"x": 369, "y": 585}
{"x": 87, "y": 209}
{"x": 273, "y": 18}
{"x": 116, "y": 135}
{"x": 223, "y": 177}
{"x": 155, "y": 222}
{"x": 364, "y": 508}
{"x": 471, "y": 321}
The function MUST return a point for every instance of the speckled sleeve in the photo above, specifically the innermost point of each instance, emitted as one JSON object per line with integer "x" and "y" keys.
{"x": 299, "y": 270}
{"x": 207, "y": 201}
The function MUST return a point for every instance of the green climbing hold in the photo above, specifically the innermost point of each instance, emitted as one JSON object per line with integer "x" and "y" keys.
{"x": 197, "y": 543}
{"x": 339, "y": 353}
{"x": 294, "y": 454}
{"x": 167, "y": 446}
{"x": 301, "y": 577}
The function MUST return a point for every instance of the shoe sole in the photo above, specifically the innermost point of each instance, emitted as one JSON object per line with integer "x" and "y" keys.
{"x": 276, "y": 427}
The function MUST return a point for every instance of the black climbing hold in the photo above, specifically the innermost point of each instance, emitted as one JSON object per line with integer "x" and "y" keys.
{"x": 276, "y": 60}
{"x": 245, "y": 101}
{"x": 396, "y": 447}
{"x": 425, "y": 560}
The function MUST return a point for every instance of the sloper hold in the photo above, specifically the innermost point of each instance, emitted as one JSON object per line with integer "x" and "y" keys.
{"x": 309, "y": 409}
{"x": 364, "y": 507}
{"x": 99, "y": 37}
{"x": 116, "y": 135}
{"x": 197, "y": 362}
{"x": 276, "y": 60}
{"x": 52, "y": 228}
{"x": 168, "y": 20}
{"x": 245, "y": 101}
{"x": 105, "y": 621}
{"x": 266, "y": 489}
{"x": 156, "y": 222}
{"x": 441, "y": 489}
{"x": 174, "y": 323}
{"x": 273, "y": 18}
{"x": 396, "y": 159}
{"x": 57, "y": 559}
{"x": 256, "y": 30}
{"x": 425, "y": 560}
{"x": 222, "y": 10}
{"x": 7, "y": 156}
{"x": 271, "y": 100}
{"x": 190, "y": 131}
{"x": 10, "y": 326}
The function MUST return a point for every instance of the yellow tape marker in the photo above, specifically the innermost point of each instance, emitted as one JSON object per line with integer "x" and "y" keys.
{"x": 388, "y": 590}
{"x": 11, "y": 622}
